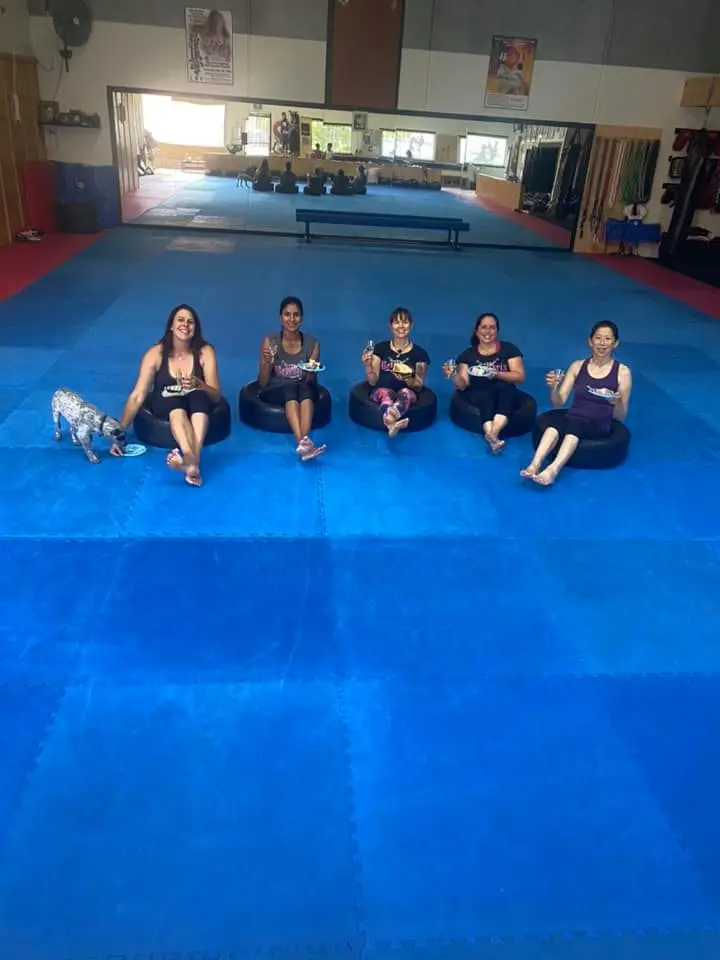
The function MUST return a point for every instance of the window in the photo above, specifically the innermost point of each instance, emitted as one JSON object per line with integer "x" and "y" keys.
{"x": 338, "y": 134}
{"x": 483, "y": 151}
{"x": 182, "y": 123}
{"x": 257, "y": 128}
{"x": 396, "y": 143}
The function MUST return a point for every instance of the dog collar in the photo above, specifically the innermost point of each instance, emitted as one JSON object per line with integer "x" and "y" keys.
{"x": 102, "y": 424}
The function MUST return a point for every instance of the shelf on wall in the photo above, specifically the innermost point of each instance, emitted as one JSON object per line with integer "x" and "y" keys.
{"x": 701, "y": 92}
{"x": 71, "y": 126}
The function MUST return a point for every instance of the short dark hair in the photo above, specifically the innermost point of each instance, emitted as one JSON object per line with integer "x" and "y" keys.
{"x": 605, "y": 323}
{"x": 400, "y": 313}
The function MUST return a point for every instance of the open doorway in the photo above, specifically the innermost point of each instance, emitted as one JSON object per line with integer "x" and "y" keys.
{"x": 161, "y": 143}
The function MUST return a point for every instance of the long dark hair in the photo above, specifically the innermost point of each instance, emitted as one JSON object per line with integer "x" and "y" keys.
{"x": 197, "y": 342}
{"x": 474, "y": 339}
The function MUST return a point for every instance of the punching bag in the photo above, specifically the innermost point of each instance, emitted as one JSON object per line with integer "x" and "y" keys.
{"x": 693, "y": 184}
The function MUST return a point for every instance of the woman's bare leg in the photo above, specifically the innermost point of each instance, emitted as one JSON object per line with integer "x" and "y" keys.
{"x": 547, "y": 444}
{"x": 307, "y": 410}
{"x": 492, "y": 432}
{"x": 567, "y": 449}
{"x": 307, "y": 448}
{"x": 199, "y": 423}
{"x": 184, "y": 435}
{"x": 292, "y": 413}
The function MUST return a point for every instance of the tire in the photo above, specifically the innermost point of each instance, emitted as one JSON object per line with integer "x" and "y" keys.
{"x": 368, "y": 414}
{"x": 590, "y": 454}
{"x": 270, "y": 417}
{"x": 154, "y": 432}
{"x": 467, "y": 416}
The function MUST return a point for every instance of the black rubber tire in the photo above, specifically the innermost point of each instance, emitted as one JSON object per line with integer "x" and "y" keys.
{"x": 368, "y": 414}
{"x": 463, "y": 414}
{"x": 271, "y": 418}
{"x": 590, "y": 454}
{"x": 153, "y": 432}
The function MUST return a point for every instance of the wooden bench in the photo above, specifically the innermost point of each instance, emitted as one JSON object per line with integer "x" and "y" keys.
{"x": 453, "y": 226}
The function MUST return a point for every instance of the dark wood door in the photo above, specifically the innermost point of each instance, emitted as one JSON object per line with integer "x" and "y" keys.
{"x": 364, "y": 49}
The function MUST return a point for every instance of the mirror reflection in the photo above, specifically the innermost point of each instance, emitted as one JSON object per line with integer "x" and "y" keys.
{"x": 246, "y": 166}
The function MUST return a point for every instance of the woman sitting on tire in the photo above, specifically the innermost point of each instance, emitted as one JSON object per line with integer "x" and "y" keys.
{"x": 488, "y": 372}
{"x": 282, "y": 379}
{"x": 179, "y": 380}
{"x": 602, "y": 388}
{"x": 395, "y": 370}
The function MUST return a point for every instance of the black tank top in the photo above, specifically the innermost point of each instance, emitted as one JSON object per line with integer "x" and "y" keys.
{"x": 166, "y": 385}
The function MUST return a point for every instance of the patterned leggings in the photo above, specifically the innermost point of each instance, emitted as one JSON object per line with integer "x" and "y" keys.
{"x": 401, "y": 399}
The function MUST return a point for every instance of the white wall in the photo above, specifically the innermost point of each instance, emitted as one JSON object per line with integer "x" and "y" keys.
{"x": 121, "y": 54}
{"x": 15, "y": 28}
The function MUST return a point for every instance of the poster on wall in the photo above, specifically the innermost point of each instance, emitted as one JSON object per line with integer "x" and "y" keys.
{"x": 512, "y": 60}
{"x": 209, "y": 41}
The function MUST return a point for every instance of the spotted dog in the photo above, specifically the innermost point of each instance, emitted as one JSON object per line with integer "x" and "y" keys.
{"x": 84, "y": 420}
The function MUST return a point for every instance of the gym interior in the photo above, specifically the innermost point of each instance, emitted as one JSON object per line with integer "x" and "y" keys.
{"x": 396, "y": 701}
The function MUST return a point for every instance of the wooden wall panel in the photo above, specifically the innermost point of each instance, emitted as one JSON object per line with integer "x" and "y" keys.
{"x": 20, "y": 139}
{"x": 127, "y": 109}
{"x": 363, "y": 56}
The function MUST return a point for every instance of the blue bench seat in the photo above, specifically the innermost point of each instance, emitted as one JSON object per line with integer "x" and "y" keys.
{"x": 453, "y": 226}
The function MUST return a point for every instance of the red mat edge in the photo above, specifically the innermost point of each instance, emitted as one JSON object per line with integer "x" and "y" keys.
{"x": 23, "y": 264}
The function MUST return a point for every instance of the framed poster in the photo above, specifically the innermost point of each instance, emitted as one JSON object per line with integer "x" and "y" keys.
{"x": 509, "y": 78}
{"x": 209, "y": 45}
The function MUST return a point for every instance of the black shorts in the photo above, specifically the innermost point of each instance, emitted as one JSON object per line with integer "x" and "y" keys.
{"x": 293, "y": 390}
{"x": 197, "y": 401}
{"x": 494, "y": 398}
{"x": 581, "y": 428}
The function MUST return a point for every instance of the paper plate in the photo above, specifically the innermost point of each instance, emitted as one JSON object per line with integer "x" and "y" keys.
{"x": 603, "y": 393}
{"x": 480, "y": 370}
{"x": 134, "y": 450}
{"x": 307, "y": 369}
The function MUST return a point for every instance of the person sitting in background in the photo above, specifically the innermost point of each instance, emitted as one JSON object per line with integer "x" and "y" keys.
{"x": 178, "y": 382}
{"x": 396, "y": 370}
{"x": 341, "y": 185}
{"x": 601, "y": 388}
{"x": 262, "y": 181}
{"x": 359, "y": 184}
{"x": 488, "y": 371}
{"x": 314, "y": 187}
{"x": 282, "y": 379}
{"x": 317, "y": 153}
{"x": 329, "y": 152}
{"x": 288, "y": 180}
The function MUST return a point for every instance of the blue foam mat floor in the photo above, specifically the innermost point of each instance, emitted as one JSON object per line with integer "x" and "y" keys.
{"x": 216, "y": 203}
{"x": 389, "y": 703}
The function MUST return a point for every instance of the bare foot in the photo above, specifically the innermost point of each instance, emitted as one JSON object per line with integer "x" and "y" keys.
{"x": 313, "y": 452}
{"x": 546, "y": 478}
{"x": 495, "y": 444}
{"x": 398, "y": 425}
{"x": 192, "y": 476}
{"x": 175, "y": 461}
{"x": 390, "y": 418}
{"x": 529, "y": 472}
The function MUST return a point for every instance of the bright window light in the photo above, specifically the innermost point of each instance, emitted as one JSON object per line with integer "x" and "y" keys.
{"x": 184, "y": 124}
{"x": 338, "y": 134}
{"x": 483, "y": 151}
{"x": 396, "y": 143}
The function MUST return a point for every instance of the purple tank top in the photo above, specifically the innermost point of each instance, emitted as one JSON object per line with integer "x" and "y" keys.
{"x": 587, "y": 406}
